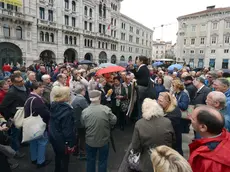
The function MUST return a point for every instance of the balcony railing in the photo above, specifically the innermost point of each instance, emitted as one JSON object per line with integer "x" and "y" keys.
{"x": 16, "y": 15}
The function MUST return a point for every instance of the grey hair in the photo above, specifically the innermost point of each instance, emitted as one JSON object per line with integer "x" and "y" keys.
{"x": 150, "y": 108}
{"x": 79, "y": 88}
{"x": 218, "y": 96}
{"x": 223, "y": 81}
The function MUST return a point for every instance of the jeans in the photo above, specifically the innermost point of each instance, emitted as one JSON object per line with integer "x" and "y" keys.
{"x": 15, "y": 134}
{"x": 91, "y": 158}
{"x": 38, "y": 149}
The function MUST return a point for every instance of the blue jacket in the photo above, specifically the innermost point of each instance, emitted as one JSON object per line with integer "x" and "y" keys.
{"x": 61, "y": 127}
{"x": 182, "y": 100}
{"x": 159, "y": 89}
{"x": 226, "y": 115}
{"x": 227, "y": 94}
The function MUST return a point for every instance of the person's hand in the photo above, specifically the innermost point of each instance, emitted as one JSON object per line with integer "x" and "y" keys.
{"x": 4, "y": 128}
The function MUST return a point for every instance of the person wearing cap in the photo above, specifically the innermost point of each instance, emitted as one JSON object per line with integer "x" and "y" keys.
{"x": 97, "y": 120}
{"x": 46, "y": 80}
{"x": 188, "y": 82}
{"x": 202, "y": 91}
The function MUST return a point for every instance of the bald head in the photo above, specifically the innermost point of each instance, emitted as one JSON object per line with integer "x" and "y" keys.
{"x": 216, "y": 99}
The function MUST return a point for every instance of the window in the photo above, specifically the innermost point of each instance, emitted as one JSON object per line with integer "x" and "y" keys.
{"x": 90, "y": 27}
{"x": 115, "y": 34}
{"x": 214, "y": 40}
{"x": 131, "y": 29}
{"x": 226, "y": 39}
{"x": 213, "y": 51}
{"x": 47, "y": 37}
{"x": 192, "y": 51}
{"x": 191, "y": 63}
{"x": 41, "y": 36}
{"x": 225, "y": 64}
{"x": 85, "y": 42}
{"x": 212, "y": 63}
{"x": 66, "y": 39}
{"x": 73, "y": 6}
{"x": 115, "y": 22}
{"x": 50, "y": 12}
{"x": 100, "y": 28}
{"x": 73, "y": 22}
{"x": 42, "y": 13}
{"x": 214, "y": 26}
{"x": 193, "y": 28}
{"x": 75, "y": 41}
{"x": 6, "y": 30}
{"x": 66, "y": 20}
{"x": 201, "y": 63}
{"x": 99, "y": 44}
{"x": 103, "y": 45}
{"x": 226, "y": 50}
{"x": 52, "y": 37}
{"x": 130, "y": 38}
{"x": 86, "y": 11}
{"x": 10, "y": 7}
{"x": 100, "y": 9}
{"x": 70, "y": 40}
{"x": 184, "y": 41}
{"x": 184, "y": 51}
{"x": 18, "y": 32}
{"x": 104, "y": 29}
{"x": 90, "y": 12}
{"x": 201, "y": 51}
{"x": 201, "y": 40}
{"x": 2, "y": 4}
{"x": 137, "y": 31}
{"x": 85, "y": 25}
{"x": 106, "y": 45}
{"x": 192, "y": 41}
{"x": 51, "y": 1}
{"x": 66, "y": 4}
{"x": 91, "y": 43}
{"x": 104, "y": 11}
{"x": 203, "y": 27}
{"x": 137, "y": 40}
{"x": 227, "y": 25}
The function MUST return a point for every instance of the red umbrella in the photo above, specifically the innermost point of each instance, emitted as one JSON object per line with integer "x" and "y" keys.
{"x": 110, "y": 69}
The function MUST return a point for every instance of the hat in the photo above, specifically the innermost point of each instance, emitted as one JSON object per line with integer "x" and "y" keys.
{"x": 188, "y": 78}
{"x": 94, "y": 95}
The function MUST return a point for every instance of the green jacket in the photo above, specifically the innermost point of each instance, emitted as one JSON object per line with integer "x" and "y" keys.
{"x": 97, "y": 119}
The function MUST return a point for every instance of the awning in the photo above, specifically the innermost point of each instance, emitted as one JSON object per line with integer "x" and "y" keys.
{"x": 17, "y": 3}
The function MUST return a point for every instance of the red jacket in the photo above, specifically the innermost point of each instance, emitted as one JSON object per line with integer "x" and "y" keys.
{"x": 6, "y": 68}
{"x": 2, "y": 95}
{"x": 211, "y": 154}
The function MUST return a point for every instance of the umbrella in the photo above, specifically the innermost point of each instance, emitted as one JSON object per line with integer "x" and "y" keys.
{"x": 157, "y": 64}
{"x": 123, "y": 64}
{"x": 178, "y": 66}
{"x": 226, "y": 70}
{"x": 85, "y": 62}
{"x": 110, "y": 70}
{"x": 106, "y": 65}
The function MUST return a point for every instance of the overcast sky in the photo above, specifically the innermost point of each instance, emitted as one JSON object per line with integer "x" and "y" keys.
{"x": 153, "y": 13}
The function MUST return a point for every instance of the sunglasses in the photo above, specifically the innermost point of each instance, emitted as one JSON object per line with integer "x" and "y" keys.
{"x": 19, "y": 81}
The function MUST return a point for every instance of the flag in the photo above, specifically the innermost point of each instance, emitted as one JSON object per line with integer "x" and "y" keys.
{"x": 109, "y": 26}
{"x": 13, "y": 2}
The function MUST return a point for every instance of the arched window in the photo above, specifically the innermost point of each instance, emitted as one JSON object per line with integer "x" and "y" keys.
{"x": 88, "y": 43}
{"x": 52, "y": 37}
{"x": 47, "y": 37}
{"x": 100, "y": 10}
{"x": 6, "y": 30}
{"x": 73, "y": 6}
{"x": 70, "y": 40}
{"x": 66, "y": 4}
{"x": 85, "y": 42}
{"x": 90, "y": 12}
{"x": 18, "y": 32}
{"x": 66, "y": 39}
{"x": 91, "y": 43}
{"x": 86, "y": 11}
{"x": 106, "y": 45}
{"x": 75, "y": 41}
{"x": 104, "y": 11}
{"x": 41, "y": 36}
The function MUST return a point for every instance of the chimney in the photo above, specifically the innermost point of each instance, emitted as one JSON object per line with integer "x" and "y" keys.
{"x": 211, "y": 7}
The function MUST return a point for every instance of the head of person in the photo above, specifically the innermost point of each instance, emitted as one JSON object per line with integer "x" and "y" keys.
{"x": 211, "y": 76}
{"x": 37, "y": 87}
{"x": 128, "y": 79}
{"x": 178, "y": 86}
{"x": 174, "y": 75}
{"x": 46, "y": 79}
{"x": 80, "y": 89}
{"x": 102, "y": 82}
{"x": 17, "y": 80}
{"x": 117, "y": 81}
{"x": 184, "y": 70}
{"x": 65, "y": 71}
{"x": 95, "y": 96}
{"x": 150, "y": 109}
{"x": 160, "y": 73}
{"x": 4, "y": 85}
{"x": 220, "y": 73}
{"x": 32, "y": 76}
{"x": 142, "y": 60}
{"x": 43, "y": 69}
{"x": 60, "y": 94}
{"x": 198, "y": 82}
{"x": 207, "y": 121}
{"x": 188, "y": 80}
{"x": 61, "y": 78}
{"x": 198, "y": 74}
{"x": 160, "y": 81}
{"x": 123, "y": 75}
{"x": 167, "y": 101}
{"x": 8, "y": 80}
{"x": 216, "y": 99}
{"x": 165, "y": 159}
{"x": 221, "y": 84}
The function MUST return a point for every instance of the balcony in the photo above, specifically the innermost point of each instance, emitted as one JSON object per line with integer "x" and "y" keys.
{"x": 43, "y": 22}
{"x": 42, "y": 1}
{"x": 51, "y": 23}
{"x": 69, "y": 28}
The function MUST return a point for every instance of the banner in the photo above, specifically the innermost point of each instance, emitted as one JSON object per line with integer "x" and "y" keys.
{"x": 17, "y": 3}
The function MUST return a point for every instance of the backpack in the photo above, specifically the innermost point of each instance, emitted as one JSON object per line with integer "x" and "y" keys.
{"x": 20, "y": 115}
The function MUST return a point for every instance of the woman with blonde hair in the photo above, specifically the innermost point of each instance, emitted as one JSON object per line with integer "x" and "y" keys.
{"x": 165, "y": 159}
{"x": 61, "y": 129}
{"x": 150, "y": 131}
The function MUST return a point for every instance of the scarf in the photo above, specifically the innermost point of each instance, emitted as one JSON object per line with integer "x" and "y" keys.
{"x": 23, "y": 88}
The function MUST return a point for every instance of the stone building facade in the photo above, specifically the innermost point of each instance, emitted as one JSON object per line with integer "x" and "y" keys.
{"x": 69, "y": 30}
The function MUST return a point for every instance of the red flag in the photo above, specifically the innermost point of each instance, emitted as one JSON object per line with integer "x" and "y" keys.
{"x": 109, "y": 26}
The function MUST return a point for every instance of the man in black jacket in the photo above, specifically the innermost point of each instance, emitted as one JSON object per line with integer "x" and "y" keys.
{"x": 15, "y": 97}
{"x": 188, "y": 82}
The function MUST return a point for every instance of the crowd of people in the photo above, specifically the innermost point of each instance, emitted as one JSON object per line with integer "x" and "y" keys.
{"x": 81, "y": 109}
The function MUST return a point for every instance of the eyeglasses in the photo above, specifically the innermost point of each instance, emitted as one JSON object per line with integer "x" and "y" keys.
{"x": 19, "y": 81}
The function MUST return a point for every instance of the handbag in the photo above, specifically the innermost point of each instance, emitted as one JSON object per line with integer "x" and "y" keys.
{"x": 134, "y": 160}
{"x": 33, "y": 126}
{"x": 124, "y": 105}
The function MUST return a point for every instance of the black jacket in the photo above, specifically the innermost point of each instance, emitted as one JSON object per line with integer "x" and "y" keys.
{"x": 191, "y": 90}
{"x": 142, "y": 76}
{"x": 201, "y": 96}
{"x": 13, "y": 99}
{"x": 61, "y": 126}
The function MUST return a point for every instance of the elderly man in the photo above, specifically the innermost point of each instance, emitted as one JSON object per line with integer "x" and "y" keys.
{"x": 79, "y": 104}
{"x": 217, "y": 100}
{"x": 31, "y": 77}
{"x": 211, "y": 153}
{"x": 47, "y": 89}
{"x": 211, "y": 77}
{"x": 97, "y": 119}
{"x": 61, "y": 80}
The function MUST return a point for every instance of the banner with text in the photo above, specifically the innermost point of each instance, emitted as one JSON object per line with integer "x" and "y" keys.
{"x": 17, "y": 3}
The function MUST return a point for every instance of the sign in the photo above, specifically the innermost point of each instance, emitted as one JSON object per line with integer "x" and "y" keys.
{"x": 17, "y": 3}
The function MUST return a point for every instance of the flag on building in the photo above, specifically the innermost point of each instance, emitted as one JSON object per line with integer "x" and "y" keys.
{"x": 17, "y": 3}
